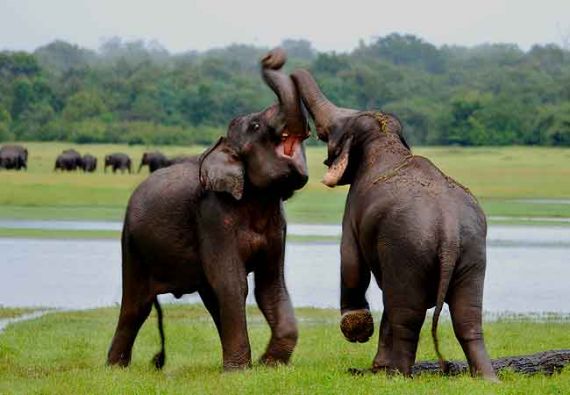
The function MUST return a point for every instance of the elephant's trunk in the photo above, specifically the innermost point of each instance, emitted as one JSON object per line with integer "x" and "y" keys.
{"x": 285, "y": 90}
{"x": 323, "y": 111}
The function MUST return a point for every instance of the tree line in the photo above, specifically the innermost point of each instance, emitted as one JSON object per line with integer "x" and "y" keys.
{"x": 137, "y": 92}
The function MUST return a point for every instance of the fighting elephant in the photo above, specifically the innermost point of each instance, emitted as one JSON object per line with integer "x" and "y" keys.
{"x": 420, "y": 233}
{"x": 118, "y": 161}
{"x": 13, "y": 157}
{"x": 88, "y": 163}
{"x": 68, "y": 160}
{"x": 154, "y": 160}
{"x": 203, "y": 225}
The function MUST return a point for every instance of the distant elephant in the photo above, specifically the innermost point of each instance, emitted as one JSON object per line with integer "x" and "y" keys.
{"x": 118, "y": 161}
{"x": 203, "y": 225}
{"x": 417, "y": 230}
{"x": 68, "y": 160}
{"x": 88, "y": 163}
{"x": 154, "y": 160}
{"x": 13, "y": 157}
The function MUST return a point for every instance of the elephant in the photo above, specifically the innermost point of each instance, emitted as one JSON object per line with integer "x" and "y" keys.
{"x": 118, "y": 161}
{"x": 13, "y": 157}
{"x": 68, "y": 160}
{"x": 154, "y": 160}
{"x": 88, "y": 163}
{"x": 204, "y": 224}
{"x": 419, "y": 232}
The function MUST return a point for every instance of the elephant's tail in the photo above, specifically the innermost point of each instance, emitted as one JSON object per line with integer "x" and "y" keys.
{"x": 160, "y": 358}
{"x": 448, "y": 255}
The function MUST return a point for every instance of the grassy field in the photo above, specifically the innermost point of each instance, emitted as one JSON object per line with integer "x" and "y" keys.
{"x": 64, "y": 353}
{"x": 502, "y": 178}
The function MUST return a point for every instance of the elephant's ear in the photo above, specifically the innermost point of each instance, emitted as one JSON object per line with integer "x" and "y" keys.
{"x": 339, "y": 164}
{"x": 221, "y": 170}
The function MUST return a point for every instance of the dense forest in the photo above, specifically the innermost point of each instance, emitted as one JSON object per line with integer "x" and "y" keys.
{"x": 139, "y": 93}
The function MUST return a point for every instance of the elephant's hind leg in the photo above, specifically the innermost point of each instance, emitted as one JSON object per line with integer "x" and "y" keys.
{"x": 135, "y": 308}
{"x": 465, "y": 305}
{"x": 131, "y": 318}
{"x": 383, "y": 358}
{"x": 405, "y": 325}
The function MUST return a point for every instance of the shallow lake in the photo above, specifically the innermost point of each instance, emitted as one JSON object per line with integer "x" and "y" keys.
{"x": 528, "y": 271}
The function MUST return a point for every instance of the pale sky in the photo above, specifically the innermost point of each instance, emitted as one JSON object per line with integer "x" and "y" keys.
{"x": 181, "y": 25}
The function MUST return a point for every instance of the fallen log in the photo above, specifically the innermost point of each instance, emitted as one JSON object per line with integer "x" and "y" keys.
{"x": 546, "y": 362}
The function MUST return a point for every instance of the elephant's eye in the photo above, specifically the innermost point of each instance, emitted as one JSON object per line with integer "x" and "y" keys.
{"x": 254, "y": 126}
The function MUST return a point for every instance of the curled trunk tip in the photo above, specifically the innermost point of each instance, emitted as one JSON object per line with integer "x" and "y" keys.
{"x": 274, "y": 59}
{"x": 285, "y": 90}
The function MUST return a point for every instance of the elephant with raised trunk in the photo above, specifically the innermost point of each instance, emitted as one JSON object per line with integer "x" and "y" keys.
{"x": 203, "y": 225}
{"x": 420, "y": 233}
{"x": 14, "y": 157}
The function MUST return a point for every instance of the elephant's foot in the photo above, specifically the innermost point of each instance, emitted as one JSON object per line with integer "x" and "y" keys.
{"x": 357, "y": 325}
{"x": 274, "y": 359}
{"x": 119, "y": 359}
{"x": 381, "y": 366}
{"x": 236, "y": 366}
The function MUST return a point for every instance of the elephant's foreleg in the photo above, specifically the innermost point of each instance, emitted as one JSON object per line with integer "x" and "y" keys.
{"x": 226, "y": 275}
{"x": 235, "y": 342}
{"x": 356, "y": 324}
{"x": 275, "y": 304}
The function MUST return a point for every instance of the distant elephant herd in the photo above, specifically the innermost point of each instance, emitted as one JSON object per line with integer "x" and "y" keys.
{"x": 15, "y": 157}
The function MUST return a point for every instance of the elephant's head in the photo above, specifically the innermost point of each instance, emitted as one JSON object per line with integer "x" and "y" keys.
{"x": 262, "y": 151}
{"x": 344, "y": 130}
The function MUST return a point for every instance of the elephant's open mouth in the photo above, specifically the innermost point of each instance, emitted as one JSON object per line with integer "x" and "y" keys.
{"x": 290, "y": 143}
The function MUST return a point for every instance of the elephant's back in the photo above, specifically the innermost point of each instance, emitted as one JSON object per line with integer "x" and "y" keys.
{"x": 166, "y": 197}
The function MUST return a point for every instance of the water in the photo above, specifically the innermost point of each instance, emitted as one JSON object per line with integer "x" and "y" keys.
{"x": 497, "y": 235}
{"x": 528, "y": 271}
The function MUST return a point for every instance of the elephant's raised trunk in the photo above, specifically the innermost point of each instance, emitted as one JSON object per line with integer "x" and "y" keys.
{"x": 323, "y": 111}
{"x": 285, "y": 90}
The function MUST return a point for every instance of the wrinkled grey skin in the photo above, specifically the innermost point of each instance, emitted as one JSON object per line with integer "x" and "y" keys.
{"x": 89, "y": 163}
{"x": 68, "y": 160}
{"x": 204, "y": 224}
{"x": 420, "y": 234}
{"x": 118, "y": 161}
{"x": 13, "y": 157}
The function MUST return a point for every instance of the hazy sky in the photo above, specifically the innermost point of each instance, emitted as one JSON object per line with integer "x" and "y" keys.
{"x": 182, "y": 25}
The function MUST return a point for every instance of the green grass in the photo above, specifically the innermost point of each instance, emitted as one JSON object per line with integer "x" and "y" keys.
{"x": 496, "y": 175}
{"x": 64, "y": 353}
